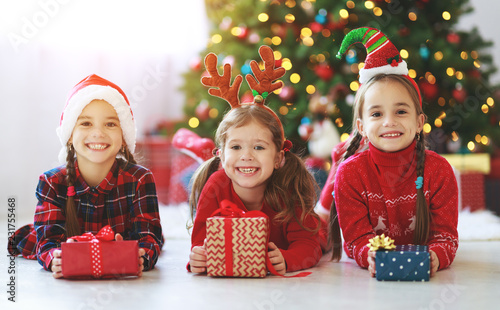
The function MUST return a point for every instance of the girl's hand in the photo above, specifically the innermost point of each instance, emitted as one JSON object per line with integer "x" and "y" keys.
{"x": 198, "y": 259}
{"x": 371, "y": 263}
{"x": 142, "y": 252}
{"x": 434, "y": 263}
{"x": 56, "y": 264}
{"x": 276, "y": 258}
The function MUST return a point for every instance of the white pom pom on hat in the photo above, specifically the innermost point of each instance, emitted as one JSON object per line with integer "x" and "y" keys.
{"x": 94, "y": 87}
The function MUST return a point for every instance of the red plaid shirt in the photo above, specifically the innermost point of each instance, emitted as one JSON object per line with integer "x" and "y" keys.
{"x": 126, "y": 200}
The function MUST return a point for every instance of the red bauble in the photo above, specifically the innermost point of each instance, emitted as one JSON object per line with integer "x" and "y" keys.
{"x": 459, "y": 95}
{"x": 247, "y": 97}
{"x": 195, "y": 64}
{"x": 202, "y": 111}
{"x": 287, "y": 93}
{"x": 429, "y": 91}
{"x": 404, "y": 31}
{"x": 316, "y": 27}
{"x": 244, "y": 33}
{"x": 324, "y": 71}
{"x": 453, "y": 38}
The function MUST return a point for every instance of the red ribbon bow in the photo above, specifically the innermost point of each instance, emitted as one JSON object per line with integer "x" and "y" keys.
{"x": 105, "y": 234}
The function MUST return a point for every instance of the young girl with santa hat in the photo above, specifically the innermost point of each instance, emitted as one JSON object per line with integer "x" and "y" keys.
{"x": 99, "y": 185}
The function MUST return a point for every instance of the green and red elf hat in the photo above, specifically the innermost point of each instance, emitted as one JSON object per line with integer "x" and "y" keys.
{"x": 382, "y": 56}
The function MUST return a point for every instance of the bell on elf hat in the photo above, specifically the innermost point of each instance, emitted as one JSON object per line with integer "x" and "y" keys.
{"x": 91, "y": 88}
{"x": 382, "y": 57}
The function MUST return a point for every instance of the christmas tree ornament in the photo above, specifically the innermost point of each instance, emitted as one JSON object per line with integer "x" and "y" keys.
{"x": 202, "y": 111}
{"x": 254, "y": 38}
{"x": 459, "y": 94}
{"x": 245, "y": 69}
{"x": 228, "y": 60}
{"x": 424, "y": 52}
{"x": 351, "y": 57}
{"x": 226, "y": 23}
{"x": 430, "y": 91}
{"x": 287, "y": 93}
{"x": 324, "y": 71}
{"x": 316, "y": 27}
{"x": 195, "y": 64}
{"x": 453, "y": 38}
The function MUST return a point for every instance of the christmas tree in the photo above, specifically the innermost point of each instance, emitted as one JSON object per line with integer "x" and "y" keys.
{"x": 451, "y": 67}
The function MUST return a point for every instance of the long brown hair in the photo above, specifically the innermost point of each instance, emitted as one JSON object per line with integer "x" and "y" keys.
{"x": 289, "y": 186}
{"x": 72, "y": 224}
{"x": 422, "y": 222}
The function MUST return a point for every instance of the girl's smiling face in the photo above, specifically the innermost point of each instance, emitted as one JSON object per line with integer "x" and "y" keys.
{"x": 389, "y": 118}
{"x": 249, "y": 157}
{"x": 97, "y": 136}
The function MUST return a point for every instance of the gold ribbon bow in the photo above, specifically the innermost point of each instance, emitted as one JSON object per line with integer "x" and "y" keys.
{"x": 381, "y": 243}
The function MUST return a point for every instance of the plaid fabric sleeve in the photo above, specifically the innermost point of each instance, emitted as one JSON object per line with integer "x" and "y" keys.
{"x": 145, "y": 218}
{"x": 49, "y": 218}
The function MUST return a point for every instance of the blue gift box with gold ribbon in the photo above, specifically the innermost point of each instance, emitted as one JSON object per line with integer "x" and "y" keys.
{"x": 404, "y": 263}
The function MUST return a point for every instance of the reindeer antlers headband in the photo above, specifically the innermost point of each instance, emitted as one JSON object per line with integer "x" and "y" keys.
{"x": 262, "y": 84}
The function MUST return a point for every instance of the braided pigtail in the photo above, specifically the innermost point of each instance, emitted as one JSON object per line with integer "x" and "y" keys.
{"x": 334, "y": 234}
{"x": 126, "y": 157}
{"x": 72, "y": 225}
{"x": 422, "y": 221}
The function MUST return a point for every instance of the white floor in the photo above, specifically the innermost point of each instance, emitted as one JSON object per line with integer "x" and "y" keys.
{"x": 472, "y": 282}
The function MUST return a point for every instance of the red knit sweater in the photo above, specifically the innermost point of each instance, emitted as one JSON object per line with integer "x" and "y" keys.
{"x": 375, "y": 193}
{"x": 300, "y": 248}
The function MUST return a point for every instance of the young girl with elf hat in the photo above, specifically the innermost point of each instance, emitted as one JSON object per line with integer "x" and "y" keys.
{"x": 99, "y": 185}
{"x": 396, "y": 186}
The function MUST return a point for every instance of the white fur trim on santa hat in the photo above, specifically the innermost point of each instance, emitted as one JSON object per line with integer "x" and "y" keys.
{"x": 366, "y": 74}
{"x": 81, "y": 99}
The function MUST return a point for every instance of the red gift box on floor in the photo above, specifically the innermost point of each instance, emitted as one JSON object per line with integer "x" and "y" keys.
{"x": 99, "y": 257}
{"x": 472, "y": 191}
{"x": 237, "y": 243}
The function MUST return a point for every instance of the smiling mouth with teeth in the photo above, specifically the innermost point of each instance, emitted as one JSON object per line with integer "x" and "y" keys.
{"x": 392, "y": 135}
{"x": 247, "y": 170}
{"x": 97, "y": 146}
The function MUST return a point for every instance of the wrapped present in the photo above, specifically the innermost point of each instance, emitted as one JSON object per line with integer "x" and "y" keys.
{"x": 404, "y": 263}
{"x": 473, "y": 162}
{"x": 236, "y": 242}
{"x": 472, "y": 191}
{"x": 99, "y": 256}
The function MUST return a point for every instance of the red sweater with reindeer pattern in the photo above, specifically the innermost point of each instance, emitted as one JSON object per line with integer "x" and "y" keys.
{"x": 375, "y": 193}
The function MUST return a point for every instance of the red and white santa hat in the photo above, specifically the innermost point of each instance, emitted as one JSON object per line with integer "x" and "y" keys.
{"x": 382, "y": 57}
{"x": 91, "y": 88}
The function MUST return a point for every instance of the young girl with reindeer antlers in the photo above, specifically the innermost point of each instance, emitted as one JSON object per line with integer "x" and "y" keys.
{"x": 258, "y": 172}
{"x": 396, "y": 186}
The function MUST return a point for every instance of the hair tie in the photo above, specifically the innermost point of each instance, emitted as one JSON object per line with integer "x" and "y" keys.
{"x": 419, "y": 182}
{"x": 71, "y": 191}
{"x": 287, "y": 145}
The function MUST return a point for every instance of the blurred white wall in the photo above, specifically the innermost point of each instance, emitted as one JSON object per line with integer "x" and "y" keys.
{"x": 47, "y": 46}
